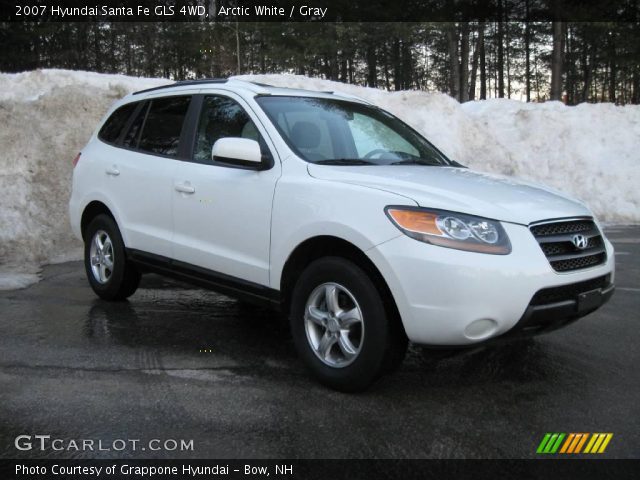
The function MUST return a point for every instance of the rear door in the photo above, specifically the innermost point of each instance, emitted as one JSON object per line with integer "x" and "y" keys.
{"x": 140, "y": 173}
{"x": 222, "y": 213}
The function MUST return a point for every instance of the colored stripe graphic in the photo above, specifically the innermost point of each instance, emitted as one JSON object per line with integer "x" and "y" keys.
{"x": 543, "y": 443}
{"x": 555, "y": 447}
{"x": 581, "y": 442}
{"x": 605, "y": 443}
{"x": 591, "y": 442}
{"x": 550, "y": 443}
{"x": 567, "y": 442}
{"x": 573, "y": 443}
{"x": 576, "y": 442}
{"x": 598, "y": 443}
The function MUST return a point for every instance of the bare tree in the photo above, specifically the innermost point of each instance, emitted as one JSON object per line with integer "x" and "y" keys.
{"x": 454, "y": 65}
{"x": 556, "y": 62}
{"x": 464, "y": 62}
{"x": 483, "y": 63}
{"x": 500, "y": 40}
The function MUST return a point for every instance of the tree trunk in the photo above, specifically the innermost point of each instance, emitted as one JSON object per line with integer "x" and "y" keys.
{"x": 372, "y": 75}
{"x": 96, "y": 47}
{"x": 464, "y": 63}
{"x": 350, "y": 70}
{"x": 587, "y": 61}
{"x": 483, "y": 63}
{"x": 238, "y": 67}
{"x": 454, "y": 65}
{"x": 474, "y": 70}
{"x": 556, "y": 62}
{"x": 612, "y": 71}
{"x": 397, "y": 70}
{"x": 343, "y": 67}
{"x": 387, "y": 80}
{"x": 407, "y": 66}
{"x": 635, "y": 94}
{"x": 500, "y": 41}
{"x": 536, "y": 77}
{"x": 527, "y": 60}
{"x": 570, "y": 65}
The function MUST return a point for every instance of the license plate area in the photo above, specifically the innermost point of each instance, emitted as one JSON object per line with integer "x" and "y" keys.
{"x": 589, "y": 300}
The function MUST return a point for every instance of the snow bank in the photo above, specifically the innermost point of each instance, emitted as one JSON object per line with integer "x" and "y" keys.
{"x": 46, "y": 117}
{"x": 589, "y": 151}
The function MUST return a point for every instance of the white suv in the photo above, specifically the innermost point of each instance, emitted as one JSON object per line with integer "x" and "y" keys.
{"x": 334, "y": 211}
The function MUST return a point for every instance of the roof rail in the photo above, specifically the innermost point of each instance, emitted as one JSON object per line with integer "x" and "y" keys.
{"x": 183, "y": 83}
{"x": 348, "y": 96}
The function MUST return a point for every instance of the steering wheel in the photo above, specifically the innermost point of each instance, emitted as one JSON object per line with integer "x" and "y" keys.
{"x": 377, "y": 151}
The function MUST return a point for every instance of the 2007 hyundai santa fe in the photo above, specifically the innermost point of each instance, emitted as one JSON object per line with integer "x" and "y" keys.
{"x": 357, "y": 228}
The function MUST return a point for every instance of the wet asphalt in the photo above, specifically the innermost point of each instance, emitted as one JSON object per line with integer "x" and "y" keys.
{"x": 177, "y": 362}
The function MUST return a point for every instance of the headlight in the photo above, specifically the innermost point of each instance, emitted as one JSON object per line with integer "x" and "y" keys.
{"x": 451, "y": 230}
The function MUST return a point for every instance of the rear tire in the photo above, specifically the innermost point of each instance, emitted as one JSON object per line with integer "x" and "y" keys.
{"x": 341, "y": 328}
{"x": 110, "y": 274}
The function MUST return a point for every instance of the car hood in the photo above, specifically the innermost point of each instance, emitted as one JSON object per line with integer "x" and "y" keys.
{"x": 460, "y": 190}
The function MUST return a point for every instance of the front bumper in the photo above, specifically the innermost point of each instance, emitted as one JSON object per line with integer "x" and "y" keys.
{"x": 449, "y": 297}
{"x": 581, "y": 299}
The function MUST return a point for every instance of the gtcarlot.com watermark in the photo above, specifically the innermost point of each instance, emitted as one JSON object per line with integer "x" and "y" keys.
{"x": 47, "y": 443}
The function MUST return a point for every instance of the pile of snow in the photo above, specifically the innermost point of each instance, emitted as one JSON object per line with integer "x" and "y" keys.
{"x": 588, "y": 151}
{"x": 46, "y": 117}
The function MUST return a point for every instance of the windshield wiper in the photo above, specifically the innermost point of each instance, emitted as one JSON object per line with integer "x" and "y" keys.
{"x": 415, "y": 162}
{"x": 344, "y": 161}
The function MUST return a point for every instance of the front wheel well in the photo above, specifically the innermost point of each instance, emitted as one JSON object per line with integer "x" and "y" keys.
{"x": 91, "y": 211}
{"x": 329, "y": 246}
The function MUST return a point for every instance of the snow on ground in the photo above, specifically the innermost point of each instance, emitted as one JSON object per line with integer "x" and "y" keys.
{"x": 589, "y": 151}
{"x": 12, "y": 279}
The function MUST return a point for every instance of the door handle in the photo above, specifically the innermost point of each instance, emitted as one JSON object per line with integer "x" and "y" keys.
{"x": 113, "y": 171}
{"x": 185, "y": 188}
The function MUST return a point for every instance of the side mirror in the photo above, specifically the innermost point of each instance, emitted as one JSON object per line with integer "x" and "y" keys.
{"x": 237, "y": 151}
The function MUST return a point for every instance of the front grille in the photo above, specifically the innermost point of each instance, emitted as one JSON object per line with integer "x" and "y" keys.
{"x": 568, "y": 292}
{"x": 556, "y": 241}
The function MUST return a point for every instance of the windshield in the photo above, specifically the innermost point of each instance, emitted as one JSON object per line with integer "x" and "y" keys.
{"x": 337, "y": 132}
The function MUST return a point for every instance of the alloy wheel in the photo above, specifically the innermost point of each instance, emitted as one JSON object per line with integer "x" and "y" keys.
{"x": 334, "y": 325}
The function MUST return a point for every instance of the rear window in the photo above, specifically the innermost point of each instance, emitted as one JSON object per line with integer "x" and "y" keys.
{"x": 163, "y": 125}
{"x": 112, "y": 128}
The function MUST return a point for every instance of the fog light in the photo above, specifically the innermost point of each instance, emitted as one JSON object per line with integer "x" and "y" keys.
{"x": 479, "y": 329}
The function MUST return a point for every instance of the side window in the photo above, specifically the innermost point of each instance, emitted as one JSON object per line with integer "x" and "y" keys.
{"x": 133, "y": 135}
{"x": 163, "y": 125}
{"x": 112, "y": 128}
{"x": 222, "y": 117}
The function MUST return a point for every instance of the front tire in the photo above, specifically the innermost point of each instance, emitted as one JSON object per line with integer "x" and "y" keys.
{"x": 110, "y": 274}
{"x": 341, "y": 328}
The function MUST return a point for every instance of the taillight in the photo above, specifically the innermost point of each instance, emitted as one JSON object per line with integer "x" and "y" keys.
{"x": 75, "y": 160}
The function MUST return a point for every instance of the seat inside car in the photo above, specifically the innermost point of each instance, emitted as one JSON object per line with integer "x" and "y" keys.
{"x": 306, "y": 137}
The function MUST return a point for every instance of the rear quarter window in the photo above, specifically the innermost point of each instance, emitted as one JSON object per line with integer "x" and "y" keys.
{"x": 112, "y": 128}
{"x": 163, "y": 125}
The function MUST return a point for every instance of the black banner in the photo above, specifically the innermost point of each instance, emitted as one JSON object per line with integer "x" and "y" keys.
{"x": 317, "y": 10}
{"x": 584, "y": 469}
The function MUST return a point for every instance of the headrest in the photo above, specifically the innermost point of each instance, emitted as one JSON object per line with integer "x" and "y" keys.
{"x": 305, "y": 135}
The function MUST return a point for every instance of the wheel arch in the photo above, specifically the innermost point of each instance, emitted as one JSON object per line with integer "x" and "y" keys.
{"x": 91, "y": 211}
{"x": 330, "y": 246}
